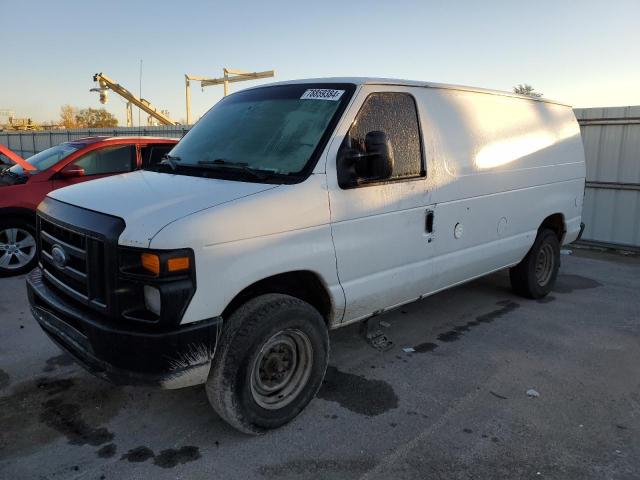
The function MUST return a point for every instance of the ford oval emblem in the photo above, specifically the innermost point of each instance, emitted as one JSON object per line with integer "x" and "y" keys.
{"x": 59, "y": 256}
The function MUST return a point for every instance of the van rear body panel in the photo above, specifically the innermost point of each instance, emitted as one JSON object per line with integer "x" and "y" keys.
{"x": 497, "y": 165}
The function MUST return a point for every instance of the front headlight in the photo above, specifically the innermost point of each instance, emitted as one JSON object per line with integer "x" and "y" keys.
{"x": 152, "y": 300}
{"x": 156, "y": 263}
{"x": 155, "y": 285}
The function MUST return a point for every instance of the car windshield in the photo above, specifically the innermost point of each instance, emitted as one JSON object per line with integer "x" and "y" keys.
{"x": 4, "y": 162}
{"x": 263, "y": 133}
{"x": 47, "y": 158}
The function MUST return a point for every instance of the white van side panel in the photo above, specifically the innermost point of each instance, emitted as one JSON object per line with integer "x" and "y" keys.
{"x": 245, "y": 241}
{"x": 499, "y": 166}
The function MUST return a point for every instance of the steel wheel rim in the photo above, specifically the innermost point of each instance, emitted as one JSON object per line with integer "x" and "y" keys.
{"x": 17, "y": 248}
{"x": 544, "y": 265}
{"x": 281, "y": 369}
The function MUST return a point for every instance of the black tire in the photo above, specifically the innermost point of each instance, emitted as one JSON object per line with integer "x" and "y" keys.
{"x": 236, "y": 373}
{"x": 535, "y": 276}
{"x": 14, "y": 267}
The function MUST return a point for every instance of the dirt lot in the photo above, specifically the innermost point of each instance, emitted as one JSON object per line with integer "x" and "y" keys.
{"x": 455, "y": 408}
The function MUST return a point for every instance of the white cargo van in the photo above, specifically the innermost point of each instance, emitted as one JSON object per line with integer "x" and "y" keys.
{"x": 295, "y": 208}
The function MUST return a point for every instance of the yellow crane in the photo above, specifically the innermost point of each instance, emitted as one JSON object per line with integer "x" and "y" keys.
{"x": 105, "y": 84}
{"x": 230, "y": 76}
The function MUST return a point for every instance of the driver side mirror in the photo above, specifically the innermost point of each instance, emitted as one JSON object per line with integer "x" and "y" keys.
{"x": 72, "y": 171}
{"x": 374, "y": 162}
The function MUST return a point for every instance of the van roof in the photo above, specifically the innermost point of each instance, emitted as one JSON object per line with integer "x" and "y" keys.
{"x": 412, "y": 83}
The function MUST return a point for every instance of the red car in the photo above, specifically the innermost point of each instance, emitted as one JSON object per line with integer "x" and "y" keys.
{"x": 25, "y": 184}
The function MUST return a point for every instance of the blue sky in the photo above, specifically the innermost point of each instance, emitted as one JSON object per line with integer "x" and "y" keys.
{"x": 586, "y": 53}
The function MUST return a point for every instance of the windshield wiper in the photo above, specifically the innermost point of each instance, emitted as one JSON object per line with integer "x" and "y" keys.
{"x": 171, "y": 161}
{"x": 222, "y": 164}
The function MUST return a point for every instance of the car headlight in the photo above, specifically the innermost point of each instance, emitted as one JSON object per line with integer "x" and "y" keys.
{"x": 152, "y": 299}
{"x": 156, "y": 263}
{"x": 155, "y": 285}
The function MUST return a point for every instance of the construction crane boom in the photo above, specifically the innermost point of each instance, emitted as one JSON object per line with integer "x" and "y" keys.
{"x": 107, "y": 83}
{"x": 230, "y": 76}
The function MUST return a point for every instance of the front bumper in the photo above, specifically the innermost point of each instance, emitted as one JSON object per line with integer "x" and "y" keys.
{"x": 121, "y": 352}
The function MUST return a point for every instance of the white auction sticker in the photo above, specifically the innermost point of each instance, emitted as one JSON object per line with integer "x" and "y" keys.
{"x": 322, "y": 94}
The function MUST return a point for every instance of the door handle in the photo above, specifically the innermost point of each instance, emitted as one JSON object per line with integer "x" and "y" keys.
{"x": 428, "y": 223}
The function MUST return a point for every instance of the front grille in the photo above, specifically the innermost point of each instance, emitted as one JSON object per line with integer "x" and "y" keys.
{"x": 72, "y": 263}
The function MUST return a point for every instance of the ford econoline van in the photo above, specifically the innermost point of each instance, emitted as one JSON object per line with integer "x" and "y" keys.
{"x": 295, "y": 208}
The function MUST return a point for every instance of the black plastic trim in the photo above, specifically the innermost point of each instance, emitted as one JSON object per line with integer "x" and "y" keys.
{"x": 123, "y": 353}
{"x": 97, "y": 228}
{"x": 176, "y": 289}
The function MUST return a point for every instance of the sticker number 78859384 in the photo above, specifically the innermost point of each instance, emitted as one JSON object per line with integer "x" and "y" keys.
{"x": 322, "y": 94}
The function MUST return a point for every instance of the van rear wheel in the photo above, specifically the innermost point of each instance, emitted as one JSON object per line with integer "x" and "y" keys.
{"x": 535, "y": 276}
{"x": 269, "y": 363}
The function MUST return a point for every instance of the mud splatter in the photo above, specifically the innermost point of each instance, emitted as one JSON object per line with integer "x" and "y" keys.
{"x": 138, "y": 454}
{"x": 171, "y": 457}
{"x": 4, "y": 379}
{"x": 107, "y": 451}
{"x": 40, "y": 411}
{"x": 357, "y": 393}
{"x": 425, "y": 347}
{"x": 58, "y": 361}
{"x": 506, "y": 306}
{"x": 570, "y": 283}
{"x": 67, "y": 419}
{"x": 168, "y": 458}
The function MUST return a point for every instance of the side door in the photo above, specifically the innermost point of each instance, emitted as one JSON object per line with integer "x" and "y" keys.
{"x": 99, "y": 163}
{"x": 382, "y": 230}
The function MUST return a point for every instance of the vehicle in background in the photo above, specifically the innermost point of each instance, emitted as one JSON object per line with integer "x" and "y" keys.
{"x": 295, "y": 208}
{"x": 8, "y": 158}
{"x": 25, "y": 184}
{"x": 4, "y": 162}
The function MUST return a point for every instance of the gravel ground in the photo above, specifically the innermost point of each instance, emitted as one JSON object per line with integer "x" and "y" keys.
{"x": 454, "y": 408}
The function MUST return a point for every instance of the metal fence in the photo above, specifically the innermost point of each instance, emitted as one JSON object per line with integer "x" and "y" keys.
{"x": 611, "y": 138}
{"x": 611, "y": 212}
{"x": 28, "y": 143}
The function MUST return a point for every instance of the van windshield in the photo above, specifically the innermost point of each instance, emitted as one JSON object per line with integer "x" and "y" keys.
{"x": 263, "y": 133}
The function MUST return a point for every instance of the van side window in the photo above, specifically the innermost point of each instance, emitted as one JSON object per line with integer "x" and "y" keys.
{"x": 118, "y": 159}
{"x": 396, "y": 115}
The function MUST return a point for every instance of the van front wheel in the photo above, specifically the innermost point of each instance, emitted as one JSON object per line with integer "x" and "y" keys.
{"x": 269, "y": 363}
{"x": 535, "y": 276}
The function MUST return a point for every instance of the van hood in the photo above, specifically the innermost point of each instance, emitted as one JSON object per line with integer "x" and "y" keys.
{"x": 147, "y": 201}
